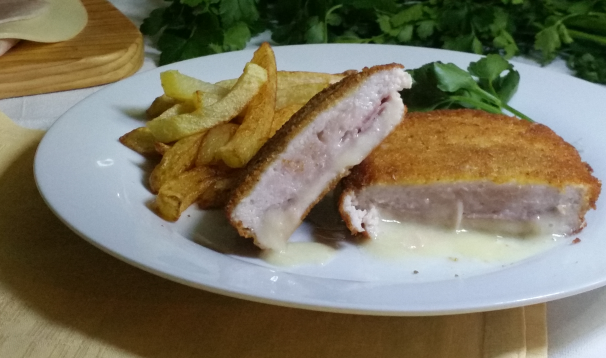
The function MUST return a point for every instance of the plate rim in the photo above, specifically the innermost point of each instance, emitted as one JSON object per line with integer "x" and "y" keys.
{"x": 309, "y": 304}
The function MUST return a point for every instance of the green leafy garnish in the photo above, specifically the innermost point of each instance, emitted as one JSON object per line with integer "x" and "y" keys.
{"x": 193, "y": 28}
{"x": 539, "y": 29}
{"x": 438, "y": 85}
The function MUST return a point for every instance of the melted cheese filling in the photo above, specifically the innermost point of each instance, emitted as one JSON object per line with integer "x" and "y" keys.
{"x": 398, "y": 240}
{"x": 299, "y": 253}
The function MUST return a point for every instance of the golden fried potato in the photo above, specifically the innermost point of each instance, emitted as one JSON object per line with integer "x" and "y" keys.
{"x": 227, "y": 83}
{"x": 295, "y": 78}
{"x": 204, "y": 99}
{"x": 217, "y": 194}
{"x": 162, "y": 148}
{"x": 296, "y": 86}
{"x": 182, "y": 87}
{"x": 177, "y": 109}
{"x": 159, "y": 106}
{"x": 180, "y": 192}
{"x": 300, "y": 87}
{"x": 256, "y": 125}
{"x": 282, "y": 115}
{"x": 215, "y": 138}
{"x": 176, "y": 127}
{"x": 179, "y": 158}
{"x": 141, "y": 140}
{"x": 298, "y": 94}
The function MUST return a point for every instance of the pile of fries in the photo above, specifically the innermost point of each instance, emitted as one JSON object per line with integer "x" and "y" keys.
{"x": 206, "y": 133}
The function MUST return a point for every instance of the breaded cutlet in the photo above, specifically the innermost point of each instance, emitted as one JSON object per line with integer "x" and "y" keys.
{"x": 474, "y": 170}
{"x": 306, "y": 158}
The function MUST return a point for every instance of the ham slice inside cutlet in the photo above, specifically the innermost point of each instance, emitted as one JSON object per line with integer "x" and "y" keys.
{"x": 333, "y": 132}
{"x": 468, "y": 169}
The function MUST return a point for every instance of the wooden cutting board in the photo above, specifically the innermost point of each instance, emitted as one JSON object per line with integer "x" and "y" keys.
{"x": 108, "y": 49}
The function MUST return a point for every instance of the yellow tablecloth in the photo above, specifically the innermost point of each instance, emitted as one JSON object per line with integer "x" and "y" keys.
{"x": 61, "y": 297}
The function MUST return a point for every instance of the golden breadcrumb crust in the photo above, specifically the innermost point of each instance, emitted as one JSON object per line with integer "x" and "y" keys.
{"x": 321, "y": 102}
{"x": 465, "y": 145}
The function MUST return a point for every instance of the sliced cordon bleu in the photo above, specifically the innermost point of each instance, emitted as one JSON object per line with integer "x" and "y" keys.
{"x": 308, "y": 156}
{"x": 468, "y": 169}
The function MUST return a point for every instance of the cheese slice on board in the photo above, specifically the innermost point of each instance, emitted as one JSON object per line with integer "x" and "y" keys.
{"x": 59, "y": 20}
{"x": 14, "y": 10}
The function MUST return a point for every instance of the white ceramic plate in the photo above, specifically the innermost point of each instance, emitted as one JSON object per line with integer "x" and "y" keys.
{"x": 96, "y": 186}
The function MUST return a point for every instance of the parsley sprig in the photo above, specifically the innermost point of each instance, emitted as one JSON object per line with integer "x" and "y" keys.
{"x": 488, "y": 84}
{"x": 539, "y": 29}
{"x": 194, "y": 28}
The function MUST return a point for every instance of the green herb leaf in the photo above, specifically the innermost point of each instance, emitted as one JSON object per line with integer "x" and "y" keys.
{"x": 426, "y": 28}
{"x": 236, "y": 37}
{"x": 316, "y": 32}
{"x": 193, "y": 3}
{"x": 541, "y": 30}
{"x": 466, "y": 43}
{"x": 507, "y": 85}
{"x": 451, "y": 78}
{"x": 438, "y": 85}
{"x": 548, "y": 42}
{"x": 489, "y": 71}
{"x": 405, "y": 34}
{"x": 587, "y": 65}
{"x": 425, "y": 94}
{"x": 489, "y": 67}
{"x": 233, "y": 11}
{"x": 384, "y": 22}
{"x": 506, "y": 42}
{"x": 171, "y": 46}
{"x": 408, "y": 15}
{"x": 154, "y": 23}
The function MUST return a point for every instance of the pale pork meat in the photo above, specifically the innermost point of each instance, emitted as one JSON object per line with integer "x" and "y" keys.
{"x": 334, "y": 131}
{"x": 468, "y": 169}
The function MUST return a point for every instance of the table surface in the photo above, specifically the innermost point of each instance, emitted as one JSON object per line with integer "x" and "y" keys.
{"x": 576, "y": 325}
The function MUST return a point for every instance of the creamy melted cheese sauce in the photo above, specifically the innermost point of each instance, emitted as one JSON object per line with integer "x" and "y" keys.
{"x": 399, "y": 240}
{"x": 406, "y": 242}
{"x": 298, "y": 253}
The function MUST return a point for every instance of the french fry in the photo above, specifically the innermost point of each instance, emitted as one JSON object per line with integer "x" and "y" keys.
{"x": 204, "y": 99}
{"x": 215, "y": 138}
{"x": 256, "y": 125}
{"x": 227, "y": 83}
{"x": 217, "y": 194}
{"x": 180, "y": 192}
{"x": 179, "y": 158}
{"x": 174, "y": 128}
{"x": 141, "y": 140}
{"x": 298, "y": 94}
{"x": 282, "y": 116}
{"x": 182, "y": 87}
{"x": 299, "y": 87}
{"x": 296, "y": 87}
{"x": 294, "y": 78}
{"x": 177, "y": 109}
{"x": 161, "y": 148}
{"x": 159, "y": 106}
